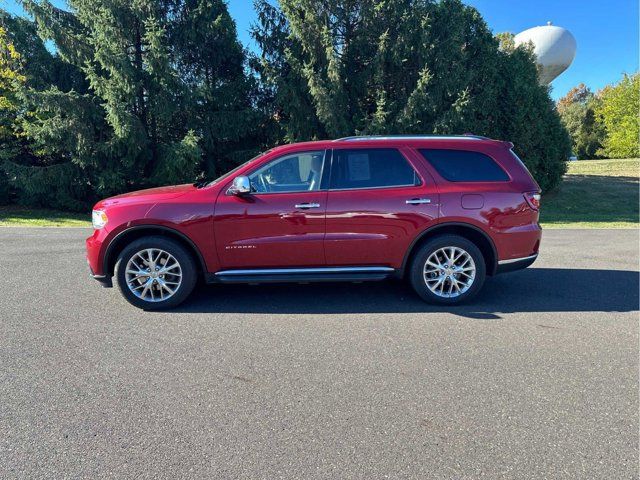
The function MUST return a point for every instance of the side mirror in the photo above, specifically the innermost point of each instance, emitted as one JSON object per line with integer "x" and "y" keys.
{"x": 240, "y": 186}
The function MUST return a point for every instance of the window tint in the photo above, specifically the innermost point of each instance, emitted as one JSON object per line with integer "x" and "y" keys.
{"x": 371, "y": 168}
{"x": 464, "y": 166}
{"x": 297, "y": 172}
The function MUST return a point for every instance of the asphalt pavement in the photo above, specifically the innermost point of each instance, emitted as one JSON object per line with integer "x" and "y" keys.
{"x": 538, "y": 378}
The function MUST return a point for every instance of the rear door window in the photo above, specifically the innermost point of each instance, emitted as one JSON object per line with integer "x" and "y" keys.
{"x": 371, "y": 168}
{"x": 464, "y": 166}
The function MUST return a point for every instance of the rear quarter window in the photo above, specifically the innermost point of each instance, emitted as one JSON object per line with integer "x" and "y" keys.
{"x": 464, "y": 166}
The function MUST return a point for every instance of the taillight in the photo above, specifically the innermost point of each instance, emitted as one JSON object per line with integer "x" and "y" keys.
{"x": 533, "y": 199}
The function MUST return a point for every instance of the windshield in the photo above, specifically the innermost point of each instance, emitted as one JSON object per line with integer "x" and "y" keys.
{"x": 231, "y": 172}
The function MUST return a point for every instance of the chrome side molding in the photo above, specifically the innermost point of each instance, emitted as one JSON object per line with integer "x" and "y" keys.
{"x": 294, "y": 271}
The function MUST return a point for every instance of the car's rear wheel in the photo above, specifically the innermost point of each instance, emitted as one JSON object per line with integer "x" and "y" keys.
{"x": 155, "y": 273}
{"x": 448, "y": 270}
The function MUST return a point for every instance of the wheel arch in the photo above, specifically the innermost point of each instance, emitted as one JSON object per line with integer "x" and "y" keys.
{"x": 472, "y": 233}
{"x": 122, "y": 239}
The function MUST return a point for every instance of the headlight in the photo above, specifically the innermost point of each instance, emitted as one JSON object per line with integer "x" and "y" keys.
{"x": 98, "y": 219}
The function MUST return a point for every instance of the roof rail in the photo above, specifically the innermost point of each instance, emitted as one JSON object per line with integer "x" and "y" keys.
{"x": 467, "y": 136}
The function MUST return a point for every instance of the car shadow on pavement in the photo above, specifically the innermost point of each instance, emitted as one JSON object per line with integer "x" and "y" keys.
{"x": 530, "y": 290}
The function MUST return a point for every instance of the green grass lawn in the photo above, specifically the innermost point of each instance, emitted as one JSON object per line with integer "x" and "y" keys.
{"x": 595, "y": 194}
{"x": 29, "y": 217}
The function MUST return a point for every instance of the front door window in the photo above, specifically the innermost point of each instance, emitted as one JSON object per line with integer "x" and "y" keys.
{"x": 298, "y": 172}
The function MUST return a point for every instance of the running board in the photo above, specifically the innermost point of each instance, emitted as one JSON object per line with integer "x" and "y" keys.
{"x": 326, "y": 274}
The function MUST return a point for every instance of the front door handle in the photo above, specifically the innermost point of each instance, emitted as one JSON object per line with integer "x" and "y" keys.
{"x": 304, "y": 206}
{"x": 418, "y": 201}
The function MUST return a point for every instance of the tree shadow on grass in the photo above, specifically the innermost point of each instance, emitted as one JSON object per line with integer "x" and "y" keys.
{"x": 530, "y": 290}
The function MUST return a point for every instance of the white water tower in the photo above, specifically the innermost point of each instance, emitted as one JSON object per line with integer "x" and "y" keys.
{"x": 554, "y": 47}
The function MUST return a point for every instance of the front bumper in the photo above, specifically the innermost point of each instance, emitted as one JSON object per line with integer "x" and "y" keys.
{"x": 103, "y": 280}
{"x": 94, "y": 258}
{"x": 515, "y": 263}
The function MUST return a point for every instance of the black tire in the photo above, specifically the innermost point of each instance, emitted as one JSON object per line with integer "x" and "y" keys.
{"x": 179, "y": 253}
{"x": 417, "y": 275}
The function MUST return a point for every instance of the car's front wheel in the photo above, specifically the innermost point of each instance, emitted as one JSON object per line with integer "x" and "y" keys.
{"x": 448, "y": 270}
{"x": 155, "y": 273}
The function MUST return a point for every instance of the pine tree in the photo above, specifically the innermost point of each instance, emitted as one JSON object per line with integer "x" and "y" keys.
{"x": 43, "y": 168}
{"x": 344, "y": 67}
{"x": 283, "y": 93}
{"x": 217, "y": 91}
{"x": 121, "y": 48}
{"x": 167, "y": 93}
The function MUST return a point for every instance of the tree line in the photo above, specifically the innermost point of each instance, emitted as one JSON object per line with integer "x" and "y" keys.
{"x": 604, "y": 124}
{"x": 105, "y": 97}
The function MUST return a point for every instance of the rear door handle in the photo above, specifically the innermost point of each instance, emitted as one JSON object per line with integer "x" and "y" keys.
{"x": 418, "y": 201}
{"x": 304, "y": 206}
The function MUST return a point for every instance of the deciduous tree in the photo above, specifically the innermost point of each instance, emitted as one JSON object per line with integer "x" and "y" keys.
{"x": 12, "y": 81}
{"x": 618, "y": 109}
{"x": 577, "y": 111}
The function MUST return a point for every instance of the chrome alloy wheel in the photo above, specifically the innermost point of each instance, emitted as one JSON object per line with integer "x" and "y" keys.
{"x": 449, "y": 272}
{"x": 153, "y": 275}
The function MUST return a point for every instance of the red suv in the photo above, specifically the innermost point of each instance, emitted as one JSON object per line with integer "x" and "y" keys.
{"x": 442, "y": 212}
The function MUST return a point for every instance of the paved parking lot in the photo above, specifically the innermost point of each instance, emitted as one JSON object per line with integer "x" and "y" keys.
{"x": 536, "y": 379}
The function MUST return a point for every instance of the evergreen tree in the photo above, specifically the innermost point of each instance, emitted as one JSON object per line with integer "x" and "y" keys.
{"x": 283, "y": 92}
{"x": 36, "y": 177}
{"x": 526, "y": 115}
{"x": 122, "y": 49}
{"x": 343, "y": 67}
{"x": 166, "y": 92}
{"x": 43, "y": 169}
{"x": 217, "y": 92}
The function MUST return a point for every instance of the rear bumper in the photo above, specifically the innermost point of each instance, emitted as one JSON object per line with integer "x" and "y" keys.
{"x": 515, "y": 263}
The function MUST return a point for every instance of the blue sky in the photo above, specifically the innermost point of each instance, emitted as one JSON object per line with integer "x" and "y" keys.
{"x": 606, "y": 32}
